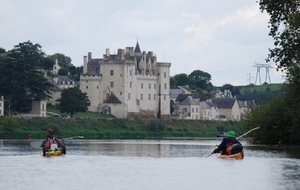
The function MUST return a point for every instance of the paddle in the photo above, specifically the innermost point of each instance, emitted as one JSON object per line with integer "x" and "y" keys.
{"x": 247, "y": 132}
{"x": 237, "y": 138}
{"x": 37, "y": 144}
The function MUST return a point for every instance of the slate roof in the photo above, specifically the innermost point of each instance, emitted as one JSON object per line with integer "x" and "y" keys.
{"x": 181, "y": 97}
{"x": 137, "y": 48}
{"x": 50, "y": 80}
{"x": 175, "y": 92}
{"x": 93, "y": 67}
{"x": 195, "y": 95}
{"x": 186, "y": 88}
{"x": 246, "y": 104}
{"x": 175, "y": 106}
{"x": 112, "y": 99}
{"x": 204, "y": 105}
{"x": 188, "y": 101}
{"x": 64, "y": 78}
{"x": 223, "y": 103}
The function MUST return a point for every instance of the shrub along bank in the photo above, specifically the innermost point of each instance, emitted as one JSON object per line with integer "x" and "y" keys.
{"x": 21, "y": 128}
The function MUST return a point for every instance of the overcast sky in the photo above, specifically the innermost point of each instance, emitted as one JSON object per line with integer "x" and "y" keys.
{"x": 222, "y": 38}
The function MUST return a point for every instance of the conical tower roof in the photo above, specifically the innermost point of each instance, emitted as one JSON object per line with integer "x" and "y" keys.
{"x": 137, "y": 48}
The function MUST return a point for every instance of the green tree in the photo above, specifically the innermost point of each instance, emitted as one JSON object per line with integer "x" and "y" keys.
{"x": 2, "y": 50}
{"x": 234, "y": 90}
{"x": 47, "y": 63}
{"x": 21, "y": 81}
{"x": 279, "y": 119}
{"x": 203, "y": 95}
{"x": 73, "y": 100}
{"x": 182, "y": 79}
{"x": 201, "y": 79}
{"x": 173, "y": 83}
{"x": 63, "y": 71}
{"x": 75, "y": 72}
{"x": 283, "y": 14}
{"x": 63, "y": 60}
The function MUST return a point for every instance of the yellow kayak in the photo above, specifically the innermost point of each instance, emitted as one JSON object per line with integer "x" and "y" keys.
{"x": 52, "y": 153}
{"x": 236, "y": 156}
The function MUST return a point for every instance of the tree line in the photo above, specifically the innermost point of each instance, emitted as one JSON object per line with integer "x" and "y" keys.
{"x": 279, "y": 119}
{"x": 22, "y": 79}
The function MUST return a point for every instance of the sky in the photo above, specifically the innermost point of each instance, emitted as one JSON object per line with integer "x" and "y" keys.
{"x": 223, "y": 38}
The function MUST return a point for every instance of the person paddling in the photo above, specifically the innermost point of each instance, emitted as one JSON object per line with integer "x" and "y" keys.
{"x": 51, "y": 140}
{"x": 229, "y": 145}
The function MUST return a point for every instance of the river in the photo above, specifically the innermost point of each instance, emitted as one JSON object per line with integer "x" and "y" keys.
{"x": 147, "y": 165}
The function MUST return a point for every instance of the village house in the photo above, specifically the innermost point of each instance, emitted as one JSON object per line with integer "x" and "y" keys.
{"x": 189, "y": 109}
{"x": 60, "y": 83}
{"x": 129, "y": 84}
{"x": 228, "y": 108}
{"x": 209, "y": 111}
{"x": 245, "y": 107}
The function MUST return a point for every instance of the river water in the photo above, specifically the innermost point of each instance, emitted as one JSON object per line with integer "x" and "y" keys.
{"x": 147, "y": 164}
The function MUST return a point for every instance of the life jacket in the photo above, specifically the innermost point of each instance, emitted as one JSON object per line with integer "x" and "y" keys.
{"x": 233, "y": 148}
{"x": 50, "y": 142}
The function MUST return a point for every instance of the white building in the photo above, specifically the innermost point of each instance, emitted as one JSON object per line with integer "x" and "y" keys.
{"x": 1, "y": 106}
{"x": 128, "y": 84}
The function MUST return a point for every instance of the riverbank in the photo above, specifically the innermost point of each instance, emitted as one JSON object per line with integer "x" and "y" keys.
{"x": 20, "y": 128}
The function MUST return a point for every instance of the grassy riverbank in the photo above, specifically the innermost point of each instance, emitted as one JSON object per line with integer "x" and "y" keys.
{"x": 20, "y": 128}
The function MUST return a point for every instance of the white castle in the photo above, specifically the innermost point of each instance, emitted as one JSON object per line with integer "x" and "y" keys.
{"x": 129, "y": 84}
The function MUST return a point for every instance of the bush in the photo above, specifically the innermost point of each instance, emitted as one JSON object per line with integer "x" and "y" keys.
{"x": 10, "y": 123}
{"x": 54, "y": 127}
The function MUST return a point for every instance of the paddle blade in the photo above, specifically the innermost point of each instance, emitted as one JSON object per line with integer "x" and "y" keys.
{"x": 36, "y": 144}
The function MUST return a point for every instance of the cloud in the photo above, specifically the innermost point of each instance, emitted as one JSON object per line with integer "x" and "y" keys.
{"x": 223, "y": 38}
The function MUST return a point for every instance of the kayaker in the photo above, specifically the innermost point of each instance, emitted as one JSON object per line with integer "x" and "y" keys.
{"x": 50, "y": 139}
{"x": 229, "y": 145}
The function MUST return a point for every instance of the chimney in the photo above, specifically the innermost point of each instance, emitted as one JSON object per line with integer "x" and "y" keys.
{"x": 89, "y": 56}
{"x": 107, "y": 52}
{"x": 84, "y": 64}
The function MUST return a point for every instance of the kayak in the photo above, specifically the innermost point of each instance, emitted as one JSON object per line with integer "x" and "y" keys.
{"x": 52, "y": 153}
{"x": 236, "y": 156}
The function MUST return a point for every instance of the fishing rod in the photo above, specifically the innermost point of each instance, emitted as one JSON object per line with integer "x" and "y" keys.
{"x": 238, "y": 138}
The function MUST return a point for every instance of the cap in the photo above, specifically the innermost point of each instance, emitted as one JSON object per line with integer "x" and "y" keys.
{"x": 231, "y": 134}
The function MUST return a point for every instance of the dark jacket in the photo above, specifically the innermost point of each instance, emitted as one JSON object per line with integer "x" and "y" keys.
{"x": 227, "y": 142}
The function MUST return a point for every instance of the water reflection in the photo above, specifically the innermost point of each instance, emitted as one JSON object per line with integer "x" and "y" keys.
{"x": 148, "y": 164}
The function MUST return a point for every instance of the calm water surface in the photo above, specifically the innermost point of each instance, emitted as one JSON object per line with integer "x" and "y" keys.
{"x": 147, "y": 164}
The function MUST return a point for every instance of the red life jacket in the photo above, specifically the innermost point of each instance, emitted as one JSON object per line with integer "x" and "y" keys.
{"x": 50, "y": 142}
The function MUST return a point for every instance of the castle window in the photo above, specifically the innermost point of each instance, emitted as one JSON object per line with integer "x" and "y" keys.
{"x": 149, "y": 97}
{"x": 97, "y": 87}
{"x": 86, "y": 87}
{"x": 130, "y": 72}
{"x": 107, "y": 96}
{"x": 86, "y": 81}
{"x": 165, "y": 74}
{"x": 111, "y": 84}
{"x": 128, "y": 96}
{"x": 142, "y": 85}
{"x": 165, "y": 85}
{"x": 197, "y": 110}
{"x": 149, "y": 86}
{"x": 154, "y": 86}
{"x": 141, "y": 96}
{"x": 164, "y": 97}
{"x": 120, "y": 93}
{"x": 111, "y": 72}
{"x": 154, "y": 97}
{"x": 130, "y": 84}
{"x": 192, "y": 109}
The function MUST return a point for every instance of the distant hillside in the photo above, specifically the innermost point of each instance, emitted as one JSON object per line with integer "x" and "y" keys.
{"x": 262, "y": 88}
